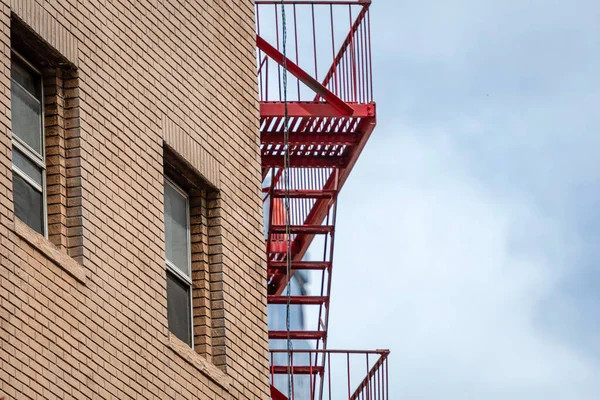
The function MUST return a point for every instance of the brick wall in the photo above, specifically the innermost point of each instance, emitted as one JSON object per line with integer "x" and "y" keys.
{"x": 87, "y": 319}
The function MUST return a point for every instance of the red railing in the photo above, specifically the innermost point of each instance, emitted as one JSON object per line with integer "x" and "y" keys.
{"x": 338, "y": 31}
{"x": 329, "y": 374}
{"x": 309, "y": 145}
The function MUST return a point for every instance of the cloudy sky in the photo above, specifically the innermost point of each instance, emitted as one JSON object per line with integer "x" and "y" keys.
{"x": 467, "y": 233}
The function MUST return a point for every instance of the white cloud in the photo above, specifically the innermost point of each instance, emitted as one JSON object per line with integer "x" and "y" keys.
{"x": 460, "y": 224}
{"x": 450, "y": 276}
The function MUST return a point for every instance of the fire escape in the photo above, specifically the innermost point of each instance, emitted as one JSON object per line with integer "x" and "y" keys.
{"x": 330, "y": 116}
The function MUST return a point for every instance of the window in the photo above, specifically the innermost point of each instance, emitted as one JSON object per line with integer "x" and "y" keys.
{"x": 29, "y": 167}
{"x": 178, "y": 263}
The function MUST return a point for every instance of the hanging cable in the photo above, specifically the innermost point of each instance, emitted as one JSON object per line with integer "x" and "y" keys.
{"x": 286, "y": 181}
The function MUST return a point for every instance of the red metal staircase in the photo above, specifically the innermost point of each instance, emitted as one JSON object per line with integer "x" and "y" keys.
{"x": 330, "y": 116}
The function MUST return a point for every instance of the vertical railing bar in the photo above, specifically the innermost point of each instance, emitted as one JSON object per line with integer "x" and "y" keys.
{"x": 348, "y": 363}
{"x": 344, "y": 79}
{"x": 314, "y": 41}
{"x": 270, "y": 221}
{"x": 260, "y": 87}
{"x": 272, "y": 370}
{"x": 378, "y": 383}
{"x": 370, "y": 59}
{"x": 301, "y": 183}
{"x": 296, "y": 43}
{"x": 297, "y": 202}
{"x": 380, "y": 380}
{"x": 267, "y": 81}
{"x": 387, "y": 389}
{"x": 310, "y": 378}
{"x": 277, "y": 42}
{"x": 361, "y": 62}
{"x": 333, "y": 49}
{"x": 372, "y": 385}
{"x": 353, "y": 62}
{"x": 357, "y": 53}
{"x": 365, "y": 57}
{"x": 329, "y": 373}
{"x": 365, "y": 63}
{"x": 348, "y": 77}
{"x": 368, "y": 380}
{"x": 305, "y": 204}
{"x": 292, "y": 371}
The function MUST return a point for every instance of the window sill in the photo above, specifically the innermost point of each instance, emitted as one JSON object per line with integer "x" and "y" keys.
{"x": 42, "y": 244}
{"x": 200, "y": 363}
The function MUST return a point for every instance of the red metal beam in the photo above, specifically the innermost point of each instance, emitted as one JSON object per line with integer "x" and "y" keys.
{"x": 304, "y": 194}
{"x": 281, "y": 266}
{"x": 308, "y": 300}
{"x": 300, "y": 229}
{"x": 304, "y": 77}
{"x": 296, "y": 370}
{"x": 315, "y": 2}
{"x": 313, "y": 109}
{"x": 304, "y": 161}
{"x": 297, "y": 335}
{"x": 328, "y": 138}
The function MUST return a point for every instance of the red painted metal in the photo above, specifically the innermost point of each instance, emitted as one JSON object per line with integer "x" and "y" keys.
{"x": 304, "y": 161}
{"x": 299, "y": 265}
{"x": 276, "y": 394}
{"x": 312, "y": 137}
{"x": 358, "y": 374}
{"x": 306, "y": 229}
{"x": 305, "y": 194}
{"x": 297, "y": 335}
{"x": 304, "y": 77}
{"x": 304, "y": 300}
{"x": 329, "y": 123}
{"x": 311, "y": 110}
{"x": 297, "y": 370}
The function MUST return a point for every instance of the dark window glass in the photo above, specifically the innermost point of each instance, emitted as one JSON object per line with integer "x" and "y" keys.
{"x": 25, "y": 76}
{"x": 178, "y": 308}
{"x": 28, "y": 203}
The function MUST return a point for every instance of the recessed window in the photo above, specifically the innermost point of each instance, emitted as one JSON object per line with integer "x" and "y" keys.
{"x": 29, "y": 166}
{"x": 178, "y": 264}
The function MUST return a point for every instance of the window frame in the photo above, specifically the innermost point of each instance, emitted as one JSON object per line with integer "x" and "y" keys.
{"x": 32, "y": 155}
{"x": 172, "y": 268}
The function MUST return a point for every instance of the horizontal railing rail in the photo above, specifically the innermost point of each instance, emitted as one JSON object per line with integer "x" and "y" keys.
{"x": 328, "y": 40}
{"x": 306, "y": 374}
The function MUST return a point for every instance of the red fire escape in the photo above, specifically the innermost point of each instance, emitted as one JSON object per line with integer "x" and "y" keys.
{"x": 330, "y": 116}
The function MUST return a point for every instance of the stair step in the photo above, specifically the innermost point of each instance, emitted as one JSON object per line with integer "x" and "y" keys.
{"x": 301, "y": 335}
{"x": 305, "y": 194}
{"x": 296, "y": 370}
{"x": 299, "y": 265}
{"x": 309, "y": 300}
{"x": 305, "y": 229}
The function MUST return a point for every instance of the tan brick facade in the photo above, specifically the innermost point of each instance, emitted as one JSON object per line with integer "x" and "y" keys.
{"x": 83, "y": 313}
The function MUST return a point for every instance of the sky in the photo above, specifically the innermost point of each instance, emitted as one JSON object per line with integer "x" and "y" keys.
{"x": 466, "y": 238}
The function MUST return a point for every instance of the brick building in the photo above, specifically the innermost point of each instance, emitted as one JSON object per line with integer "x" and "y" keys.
{"x": 130, "y": 184}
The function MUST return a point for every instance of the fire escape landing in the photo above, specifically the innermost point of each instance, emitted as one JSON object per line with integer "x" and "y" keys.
{"x": 331, "y": 114}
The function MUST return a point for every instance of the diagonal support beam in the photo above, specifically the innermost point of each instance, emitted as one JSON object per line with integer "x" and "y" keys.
{"x": 304, "y": 77}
